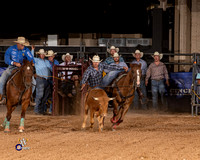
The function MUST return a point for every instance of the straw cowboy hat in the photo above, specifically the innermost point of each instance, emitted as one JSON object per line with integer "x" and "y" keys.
{"x": 138, "y": 52}
{"x": 67, "y": 54}
{"x": 116, "y": 55}
{"x": 113, "y": 47}
{"x": 95, "y": 58}
{"x": 50, "y": 53}
{"x": 41, "y": 51}
{"x": 22, "y": 41}
{"x": 157, "y": 54}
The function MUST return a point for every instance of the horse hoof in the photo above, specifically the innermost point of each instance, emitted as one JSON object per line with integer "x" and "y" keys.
{"x": 7, "y": 130}
{"x": 21, "y": 130}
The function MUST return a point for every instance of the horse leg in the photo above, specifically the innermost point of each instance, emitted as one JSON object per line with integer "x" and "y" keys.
{"x": 6, "y": 122}
{"x": 115, "y": 111}
{"x": 25, "y": 104}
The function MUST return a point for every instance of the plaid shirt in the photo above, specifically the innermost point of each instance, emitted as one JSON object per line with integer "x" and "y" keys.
{"x": 94, "y": 77}
{"x": 157, "y": 72}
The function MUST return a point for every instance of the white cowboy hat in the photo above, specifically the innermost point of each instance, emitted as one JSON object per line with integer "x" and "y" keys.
{"x": 157, "y": 54}
{"x": 113, "y": 47}
{"x": 50, "y": 53}
{"x": 95, "y": 58}
{"x": 41, "y": 51}
{"x": 116, "y": 55}
{"x": 22, "y": 40}
{"x": 67, "y": 54}
{"x": 138, "y": 52}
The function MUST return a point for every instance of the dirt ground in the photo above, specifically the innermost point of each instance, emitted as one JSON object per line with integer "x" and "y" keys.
{"x": 142, "y": 135}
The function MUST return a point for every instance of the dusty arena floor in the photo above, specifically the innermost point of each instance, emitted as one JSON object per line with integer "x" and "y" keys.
{"x": 143, "y": 135}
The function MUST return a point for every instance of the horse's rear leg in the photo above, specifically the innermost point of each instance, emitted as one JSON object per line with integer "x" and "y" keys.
{"x": 6, "y": 122}
{"x": 25, "y": 105}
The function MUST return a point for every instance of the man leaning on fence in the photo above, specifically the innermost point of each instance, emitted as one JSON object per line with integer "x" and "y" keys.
{"x": 111, "y": 51}
{"x": 158, "y": 73}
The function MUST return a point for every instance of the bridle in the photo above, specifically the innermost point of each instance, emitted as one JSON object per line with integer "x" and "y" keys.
{"x": 27, "y": 86}
{"x": 133, "y": 87}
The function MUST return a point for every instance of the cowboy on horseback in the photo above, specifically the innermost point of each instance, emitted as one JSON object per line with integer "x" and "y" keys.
{"x": 14, "y": 57}
{"x": 93, "y": 74}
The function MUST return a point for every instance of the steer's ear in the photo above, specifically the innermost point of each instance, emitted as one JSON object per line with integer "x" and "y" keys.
{"x": 96, "y": 99}
{"x": 110, "y": 99}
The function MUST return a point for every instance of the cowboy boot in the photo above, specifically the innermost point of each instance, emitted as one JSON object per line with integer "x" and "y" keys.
{"x": 2, "y": 100}
{"x": 32, "y": 103}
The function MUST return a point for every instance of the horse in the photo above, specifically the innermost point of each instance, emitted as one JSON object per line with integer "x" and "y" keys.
{"x": 19, "y": 91}
{"x": 123, "y": 88}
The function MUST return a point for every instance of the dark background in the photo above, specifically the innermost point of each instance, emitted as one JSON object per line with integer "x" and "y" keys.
{"x": 60, "y": 17}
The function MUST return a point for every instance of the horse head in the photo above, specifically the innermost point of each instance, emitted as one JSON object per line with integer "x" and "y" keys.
{"x": 135, "y": 70}
{"x": 27, "y": 72}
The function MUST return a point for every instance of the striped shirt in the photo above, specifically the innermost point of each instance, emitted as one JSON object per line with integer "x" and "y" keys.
{"x": 157, "y": 72}
{"x": 94, "y": 77}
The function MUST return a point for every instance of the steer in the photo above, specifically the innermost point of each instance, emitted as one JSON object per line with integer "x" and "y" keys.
{"x": 97, "y": 102}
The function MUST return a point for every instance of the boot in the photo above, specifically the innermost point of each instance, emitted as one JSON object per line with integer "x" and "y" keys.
{"x": 32, "y": 103}
{"x": 2, "y": 100}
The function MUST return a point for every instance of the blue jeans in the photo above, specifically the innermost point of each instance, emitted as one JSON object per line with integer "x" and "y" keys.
{"x": 42, "y": 94}
{"x": 109, "y": 77}
{"x": 144, "y": 92}
{"x": 33, "y": 84}
{"x": 4, "y": 77}
{"x": 6, "y": 74}
{"x": 157, "y": 86}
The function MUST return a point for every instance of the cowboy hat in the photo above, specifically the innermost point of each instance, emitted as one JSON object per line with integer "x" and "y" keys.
{"x": 67, "y": 54}
{"x": 138, "y": 52}
{"x": 50, "y": 53}
{"x": 22, "y": 41}
{"x": 95, "y": 58}
{"x": 41, "y": 51}
{"x": 113, "y": 47}
{"x": 116, "y": 55}
{"x": 158, "y": 54}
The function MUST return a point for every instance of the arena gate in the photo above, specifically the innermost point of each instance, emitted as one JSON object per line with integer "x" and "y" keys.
{"x": 62, "y": 104}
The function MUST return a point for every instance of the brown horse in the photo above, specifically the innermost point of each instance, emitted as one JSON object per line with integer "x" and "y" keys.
{"x": 123, "y": 89}
{"x": 18, "y": 91}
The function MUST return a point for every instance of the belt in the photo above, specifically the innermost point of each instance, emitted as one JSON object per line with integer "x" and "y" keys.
{"x": 157, "y": 79}
{"x": 41, "y": 77}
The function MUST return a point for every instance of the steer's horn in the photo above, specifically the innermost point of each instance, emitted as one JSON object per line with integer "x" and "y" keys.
{"x": 95, "y": 98}
{"x": 110, "y": 99}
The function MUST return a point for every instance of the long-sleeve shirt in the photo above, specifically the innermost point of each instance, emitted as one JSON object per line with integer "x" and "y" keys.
{"x": 143, "y": 65}
{"x": 157, "y": 72}
{"x": 122, "y": 64}
{"x": 110, "y": 60}
{"x": 94, "y": 77}
{"x": 43, "y": 67}
{"x": 14, "y": 55}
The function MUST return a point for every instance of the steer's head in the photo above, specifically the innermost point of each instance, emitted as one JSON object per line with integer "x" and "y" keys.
{"x": 103, "y": 103}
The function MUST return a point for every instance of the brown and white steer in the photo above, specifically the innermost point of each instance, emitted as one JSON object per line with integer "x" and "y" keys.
{"x": 97, "y": 102}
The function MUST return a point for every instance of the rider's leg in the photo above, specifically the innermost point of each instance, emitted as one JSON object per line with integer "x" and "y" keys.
{"x": 109, "y": 77}
{"x": 3, "y": 79}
